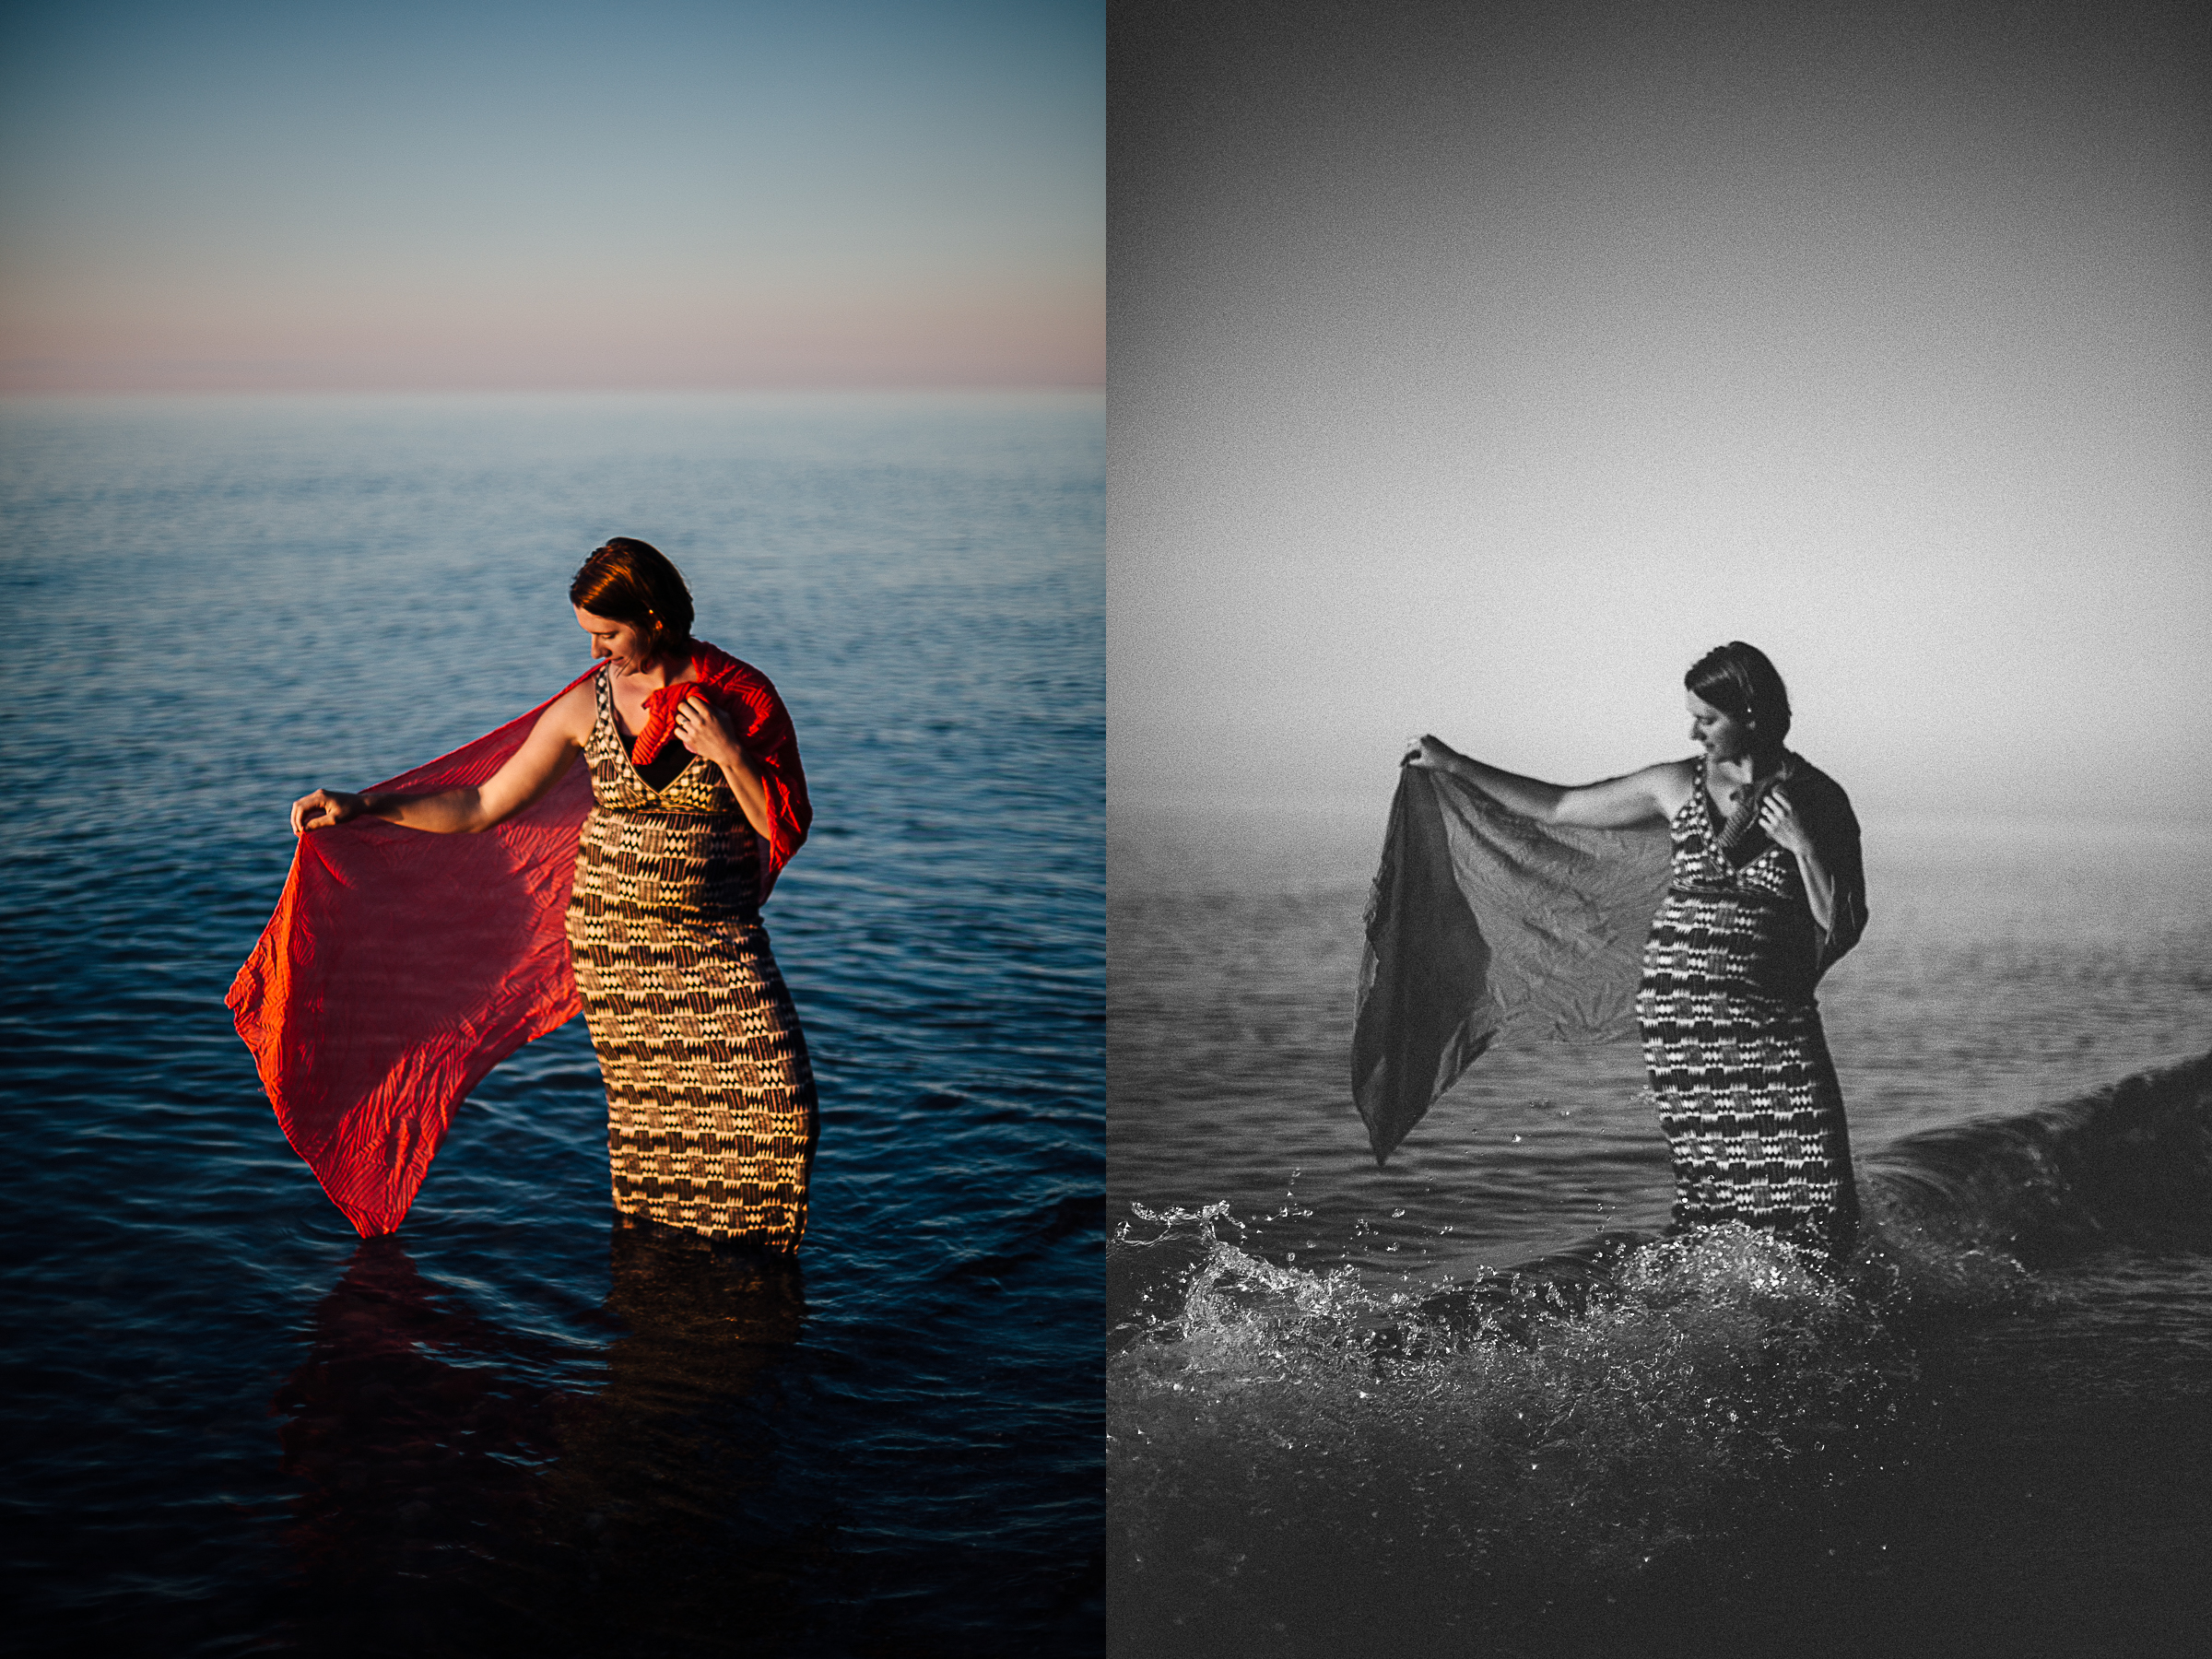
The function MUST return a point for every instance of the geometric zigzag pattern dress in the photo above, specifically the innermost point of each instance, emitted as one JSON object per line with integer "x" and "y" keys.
{"x": 711, "y": 1116}
{"x": 1731, "y": 1039}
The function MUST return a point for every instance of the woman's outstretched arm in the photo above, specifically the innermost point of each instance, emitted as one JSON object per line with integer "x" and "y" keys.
{"x": 1652, "y": 796}
{"x": 541, "y": 761}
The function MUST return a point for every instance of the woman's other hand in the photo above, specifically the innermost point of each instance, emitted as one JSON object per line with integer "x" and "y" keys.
{"x": 1433, "y": 753}
{"x": 1778, "y": 817}
{"x": 700, "y": 727}
{"x": 323, "y": 809}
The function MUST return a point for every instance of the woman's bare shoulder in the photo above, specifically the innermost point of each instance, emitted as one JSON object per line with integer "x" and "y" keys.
{"x": 572, "y": 712}
{"x": 1670, "y": 783}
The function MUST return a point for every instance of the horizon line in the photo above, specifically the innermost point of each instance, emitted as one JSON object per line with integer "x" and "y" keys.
{"x": 769, "y": 388}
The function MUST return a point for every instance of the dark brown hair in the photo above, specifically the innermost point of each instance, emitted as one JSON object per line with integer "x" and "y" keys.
{"x": 633, "y": 582}
{"x": 1738, "y": 679}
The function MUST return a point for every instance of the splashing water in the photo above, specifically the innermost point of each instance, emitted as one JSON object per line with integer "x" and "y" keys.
{"x": 1323, "y": 1462}
{"x": 1277, "y": 1434}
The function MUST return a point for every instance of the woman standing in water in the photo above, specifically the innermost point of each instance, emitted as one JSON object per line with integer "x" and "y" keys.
{"x": 1766, "y": 891}
{"x": 697, "y": 800}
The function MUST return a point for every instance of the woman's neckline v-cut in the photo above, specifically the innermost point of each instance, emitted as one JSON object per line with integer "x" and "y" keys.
{"x": 665, "y": 768}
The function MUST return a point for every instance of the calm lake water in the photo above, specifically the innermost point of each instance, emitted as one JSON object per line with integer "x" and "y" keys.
{"x": 235, "y": 1426}
{"x": 1992, "y": 1437}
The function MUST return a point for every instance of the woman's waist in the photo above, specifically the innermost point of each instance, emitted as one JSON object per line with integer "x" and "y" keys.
{"x": 1765, "y": 942}
{"x": 692, "y": 898}
{"x": 670, "y": 860}
{"x": 1765, "y": 975}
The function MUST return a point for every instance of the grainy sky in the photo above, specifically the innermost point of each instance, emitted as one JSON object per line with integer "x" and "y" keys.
{"x": 1474, "y": 367}
{"x": 539, "y": 193}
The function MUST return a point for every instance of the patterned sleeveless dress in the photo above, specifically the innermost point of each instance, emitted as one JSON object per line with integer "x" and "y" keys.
{"x": 1731, "y": 1038}
{"x": 711, "y": 1118}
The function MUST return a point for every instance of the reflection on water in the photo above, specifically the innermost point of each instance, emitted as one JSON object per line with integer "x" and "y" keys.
{"x": 452, "y": 1503}
{"x": 662, "y": 1506}
{"x": 415, "y": 1436}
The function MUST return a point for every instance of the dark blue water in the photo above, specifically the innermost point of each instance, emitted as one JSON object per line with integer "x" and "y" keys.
{"x": 1415, "y": 1410}
{"x": 236, "y": 1426}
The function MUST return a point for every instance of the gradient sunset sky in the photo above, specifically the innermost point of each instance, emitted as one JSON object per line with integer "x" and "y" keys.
{"x": 548, "y": 195}
{"x": 1476, "y": 368}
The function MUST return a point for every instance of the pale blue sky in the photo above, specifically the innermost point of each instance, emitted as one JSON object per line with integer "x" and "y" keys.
{"x": 499, "y": 195}
{"x": 1474, "y": 370}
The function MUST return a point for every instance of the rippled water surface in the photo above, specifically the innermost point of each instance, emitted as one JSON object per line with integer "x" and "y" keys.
{"x": 236, "y": 1426}
{"x": 1474, "y": 1403}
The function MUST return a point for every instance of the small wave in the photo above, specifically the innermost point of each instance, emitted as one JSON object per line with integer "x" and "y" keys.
{"x": 311, "y": 1219}
{"x": 1083, "y": 1213}
{"x": 2130, "y": 1163}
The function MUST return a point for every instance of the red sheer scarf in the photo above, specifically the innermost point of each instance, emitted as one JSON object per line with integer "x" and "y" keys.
{"x": 401, "y": 967}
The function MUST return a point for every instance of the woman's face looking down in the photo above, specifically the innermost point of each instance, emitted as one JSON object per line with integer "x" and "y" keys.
{"x": 1721, "y": 734}
{"x": 622, "y": 643}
